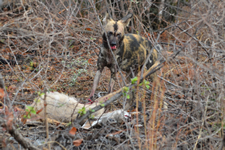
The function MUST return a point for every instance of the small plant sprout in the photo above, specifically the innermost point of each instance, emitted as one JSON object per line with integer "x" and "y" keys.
{"x": 82, "y": 111}
{"x": 31, "y": 63}
{"x": 134, "y": 80}
{"x": 125, "y": 92}
{"x": 91, "y": 116}
{"x": 92, "y": 110}
{"x": 80, "y": 63}
{"x": 101, "y": 104}
{"x": 125, "y": 89}
{"x": 29, "y": 109}
{"x": 145, "y": 83}
{"x": 68, "y": 124}
{"x": 36, "y": 100}
{"x": 92, "y": 38}
{"x": 40, "y": 94}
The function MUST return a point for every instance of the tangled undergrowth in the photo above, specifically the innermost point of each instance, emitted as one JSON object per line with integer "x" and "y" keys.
{"x": 54, "y": 45}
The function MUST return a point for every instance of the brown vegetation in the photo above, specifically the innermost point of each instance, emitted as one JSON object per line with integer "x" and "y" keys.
{"x": 52, "y": 45}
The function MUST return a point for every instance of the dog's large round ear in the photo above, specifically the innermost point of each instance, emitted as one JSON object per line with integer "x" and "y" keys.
{"x": 106, "y": 19}
{"x": 125, "y": 20}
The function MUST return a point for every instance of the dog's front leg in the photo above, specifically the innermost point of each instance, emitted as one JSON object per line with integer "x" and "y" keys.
{"x": 112, "y": 79}
{"x": 95, "y": 84}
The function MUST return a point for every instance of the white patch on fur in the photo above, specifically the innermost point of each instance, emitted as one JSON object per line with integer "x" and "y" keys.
{"x": 150, "y": 61}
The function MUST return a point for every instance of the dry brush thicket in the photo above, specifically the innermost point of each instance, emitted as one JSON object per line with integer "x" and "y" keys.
{"x": 53, "y": 45}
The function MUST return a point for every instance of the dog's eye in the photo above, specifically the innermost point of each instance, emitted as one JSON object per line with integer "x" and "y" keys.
{"x": 119, "y": 34}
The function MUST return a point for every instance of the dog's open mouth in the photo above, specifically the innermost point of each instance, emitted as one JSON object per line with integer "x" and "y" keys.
{"x": 113, "y": 47}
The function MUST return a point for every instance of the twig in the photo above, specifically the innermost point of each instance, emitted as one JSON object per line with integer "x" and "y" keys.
{"x": 13, "y": 131}
{"x": 46, "y": 119}
{"x": 203, "y": 46}
{"x": 20, "y": 139}
{"x": 2, "y": 85}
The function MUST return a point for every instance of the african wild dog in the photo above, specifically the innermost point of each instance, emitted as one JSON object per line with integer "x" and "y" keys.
{"x": 130, "y": 51}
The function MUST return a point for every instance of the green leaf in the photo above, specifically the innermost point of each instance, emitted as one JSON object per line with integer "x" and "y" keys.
{"x": 51, "y": 90}
{"x": 69, "y": 123}
{"x": 125, "y": 89}
{"x": 103, "y": 105}
{"x": 41, "y": 94}
{"x": 92, "y": 116}
{"x": 37, "y": 100}
{"x": 134, "y": 80}
{"x": 147, "y": 86}
{"x": 82, "y": 111}
{"x": 92, "y": 110}
{"x": 93, "y": 38}
{"x": 26, "y": 116}
{"x": 146, "y": 82}
{"x": 128, "y": 96}
{"x": 31, "y": 63}
{"x": 29, "y": 108}
{"x": 2, "y": 40}
{"x": 33, "y": 111}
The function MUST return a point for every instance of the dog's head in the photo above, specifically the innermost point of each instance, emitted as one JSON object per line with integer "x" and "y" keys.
{"x": 114, "y": 31}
